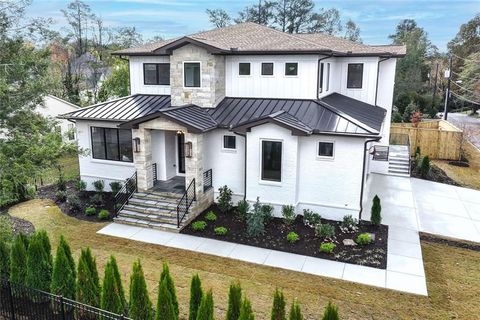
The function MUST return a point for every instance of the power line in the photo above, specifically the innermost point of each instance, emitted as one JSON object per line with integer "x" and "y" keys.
{"x": 465, "y": 99}
{"x": 458, "y": 75}
{"x": 466, "y": 59}
{"x": 463, "y": 88}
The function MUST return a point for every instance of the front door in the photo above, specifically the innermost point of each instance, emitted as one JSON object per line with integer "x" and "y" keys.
{"x": 181, "y": 152}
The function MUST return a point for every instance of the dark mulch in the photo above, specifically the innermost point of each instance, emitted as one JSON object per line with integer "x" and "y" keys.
{"x": 19, "y": 225}
{"x": 450, "y": 242}
{"x": 463, "y": 164}
{"x": 49, "y": 192}
{"x": 437, "y": 175}
{"x": 275, "y": 237}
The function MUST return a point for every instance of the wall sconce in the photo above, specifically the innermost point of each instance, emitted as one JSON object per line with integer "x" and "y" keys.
{"x": 188, "y": 149}
{"x": 136, "y": 145}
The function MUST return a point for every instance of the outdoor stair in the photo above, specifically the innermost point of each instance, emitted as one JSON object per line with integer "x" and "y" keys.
{"x": 399, "y": 161}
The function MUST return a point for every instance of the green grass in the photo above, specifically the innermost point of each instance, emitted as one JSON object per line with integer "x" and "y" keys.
{"x": 70, "y": 171}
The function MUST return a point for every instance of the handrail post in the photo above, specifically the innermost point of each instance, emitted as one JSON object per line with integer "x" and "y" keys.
{"x": 194, "y": 191}
{"x": 178, "y": 216}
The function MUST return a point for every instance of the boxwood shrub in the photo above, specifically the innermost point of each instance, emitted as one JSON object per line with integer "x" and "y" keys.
{"x": 199, "y": 225}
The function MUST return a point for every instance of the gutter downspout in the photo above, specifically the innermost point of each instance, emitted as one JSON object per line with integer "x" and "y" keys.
{"x": 362, "y": 185}
{"x": 245, "y": 166}
{"x": 378, "y": 74}
{"x": 318, "y": 71}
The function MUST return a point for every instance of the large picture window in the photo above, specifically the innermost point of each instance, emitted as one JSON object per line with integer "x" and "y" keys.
{"x": 191, "y": 74}
{"x": 112, "y": 144}
{"x": 355, "y": 75}
{"x": 156, "y": 73}
{"x": 272, "y": 160}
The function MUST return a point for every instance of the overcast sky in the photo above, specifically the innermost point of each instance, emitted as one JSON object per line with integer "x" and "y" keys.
{"x": 170, "y": 18}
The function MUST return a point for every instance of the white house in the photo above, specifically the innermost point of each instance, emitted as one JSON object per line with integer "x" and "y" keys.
{"x": 288, "y": 118}
{"x": 52, "y": 107}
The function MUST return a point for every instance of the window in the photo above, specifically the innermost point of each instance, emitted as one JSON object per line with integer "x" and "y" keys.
{"x": 71, "y": 132}
{"x": 291, "y": 69}
{"x": 325, "y": 149}
{"x": 320, "y": 79}
{"x": 156, "y": 73}
{"x": 327, "y": 79}
{"x": 267, "y": 69}
{"x": 112, "y": 144}
{"x": 229, "y": 142}
{"x": 271, "y": 160}
{"x": 244, "y": 68}
{"x": 191, "y": 74}
{"x": 355, "y": 75}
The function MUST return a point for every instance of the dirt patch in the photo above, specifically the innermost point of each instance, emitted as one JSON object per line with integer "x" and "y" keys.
{"x": 450, "y": 242}
{"x": 275, "y": 237}
{"x": 436, "y": 174}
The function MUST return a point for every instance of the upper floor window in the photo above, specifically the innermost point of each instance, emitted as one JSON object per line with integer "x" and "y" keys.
{"x": 267, "y": 68}
{"x": 191, "y": 74}
{"x": 244, "y": 68}
{"x": 112, "y": 144}
{"x": 156, "y": 73}
{"x": 229, "y": 142}
{"x": 291, "y": 68}
{"x": 355, "y": 75}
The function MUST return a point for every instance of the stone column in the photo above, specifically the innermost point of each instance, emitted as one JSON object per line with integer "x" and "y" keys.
{"x": 194, "y": 164}
{"x": 143, "y": 159}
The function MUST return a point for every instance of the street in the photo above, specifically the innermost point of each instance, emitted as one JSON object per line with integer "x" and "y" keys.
{"x": 470, "y": 126}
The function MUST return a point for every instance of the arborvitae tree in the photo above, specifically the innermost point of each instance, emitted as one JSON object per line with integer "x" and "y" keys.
{"x": 278, "y": 308}
{"x": 64, "y": 274}
{"x": 43, "y": 236}
{"x": 112, "y": 299}
{"x": 246, "y": 312}
{"x": 331, "y": 312}
{"x": 140, "y": 306}
{"x": 18, "y": 261}
{"x": 295, "y": 312}
{"x": 165, "y": 309}
{"x": 425, "y": 167}
{"x": 88, "y": 284}
{"x": 234, "y": 301}
{"x": 170, "y": 285}
{"x": 205, "y": 311}
{"x": 196, "y": 294}
{"x": 118, "y": 280}
{"x": 376, "y": 217}
{"x": 39, "y": 268}
{"x": 4, "y": 261}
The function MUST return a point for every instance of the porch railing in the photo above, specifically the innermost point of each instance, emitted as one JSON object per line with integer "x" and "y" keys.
{"x": 185, "y": 202}
{"x": 154, "y": 172}
{"x": 128, "y": 189}
{"x": 207, "y": 180}
{"x": 380, "y": 153}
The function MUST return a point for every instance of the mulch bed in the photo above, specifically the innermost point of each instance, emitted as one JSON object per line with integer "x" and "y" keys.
{"x": 450, "y": 242}
{"x": 275, "y": 237}
{"x": 437, "y": 175}
{"x": 49, "y": 192}
{"x": 20, "y": 225}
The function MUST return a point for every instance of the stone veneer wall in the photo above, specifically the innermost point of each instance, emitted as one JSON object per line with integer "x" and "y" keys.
{"x": 212, "y": 88}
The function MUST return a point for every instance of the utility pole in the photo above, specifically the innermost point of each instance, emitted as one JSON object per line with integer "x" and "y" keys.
{"x": 435, "y": 87}
{"x": 447, "y": 94}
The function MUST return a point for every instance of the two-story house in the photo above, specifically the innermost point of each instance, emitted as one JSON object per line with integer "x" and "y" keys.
{"x": 288, "y": 118}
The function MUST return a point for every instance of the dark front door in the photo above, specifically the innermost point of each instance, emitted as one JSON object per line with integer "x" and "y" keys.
{"x": 181, "y": 152}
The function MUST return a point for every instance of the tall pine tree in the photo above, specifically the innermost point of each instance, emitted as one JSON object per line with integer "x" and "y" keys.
{"x": 88, "y": 283}
{"x": 234, "y": 301}
{"x": 113, "y": 298}
{"x": 39, "y": 263}
{"x": 64, "y": 274}
{"x": 170, "y": 285}
{"x": 196, "y": 294}
{"x": 140, "y": 306}
{"x": 18, "y": 261}
{"x": 165, "y": 309}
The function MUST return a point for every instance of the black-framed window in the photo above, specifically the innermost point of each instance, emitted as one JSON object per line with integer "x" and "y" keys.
{"x": 355, "y": 75}
{"x": 156, "y": 73}
{"x": 229, "y": 142}
{"x": 244, "y": 69}
{"x": 291, "y": 69}
{"x": 272, "y": 160}
{"x": 191, "y": 74}
{"x": 327, "y": 78}
{"x": 112, "y": 144}
{"x": 267, "y": 68}
{"x": 320, "y": 78}
{"x": 325, "y": 149}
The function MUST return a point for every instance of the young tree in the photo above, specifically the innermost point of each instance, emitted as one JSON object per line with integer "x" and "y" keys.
{"x": 113, "y": 298}
{"x": 376, "y": 217}
{"x": 278, "y": 308}
{"x": 246, "y": 312}
{"x": 425, "y": 167}
{"x": 4, "y": 260}
{"x": 218, "y": 17}
{"x": 43, "y": 236}
{"x": 64, "y": 274}
{"x": 234, "y": 301}
{"x": 117, "y": 84}
{"x": 352, "y": 31}
{"x": 165, "y": 309}
{"x": 78, "y": 15}
{"x": 140, "y": 306}
{"x": 263, "y": 13}
{"x": 326, "y": 21}
{"x": 331, "y": 312}
{"x": 18, "y": 261}
{"x": 205, "y": 311}
{"x": 196, "y": 294}
{"x": 88, "y": 283}
{"x": 165, "y": 276}
{"x": 39, "y": 267}
{"x": 293, "y": 16}
{"x": 295, "y": 312}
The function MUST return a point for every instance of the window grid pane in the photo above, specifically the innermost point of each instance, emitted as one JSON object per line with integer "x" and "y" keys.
{"x": 355, "y": 75}
{"x": 111, "y": 143}
{"x": 125, "y": 145}
{"x": 244, "y": 69}
{"x": 164, "y": 74}
{"x": 98, "y": 143}
{"x": 150, "y": 73}
{"x": 192, "y": 74}
{"x": 267, "y": 69}
{"x": 229, "y": 142}
{"x": 271, "y": 160}
{"x": 325, "y": 149}
{"x": 291, "y": 69}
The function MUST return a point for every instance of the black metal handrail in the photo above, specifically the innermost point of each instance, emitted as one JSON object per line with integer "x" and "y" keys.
{"x": 207, "y": 180}
{"x": 380, "y": 153}
{"x": 154, "y": 172}
{"x": 185, "y": 202}
{"x": 125, "y": 193}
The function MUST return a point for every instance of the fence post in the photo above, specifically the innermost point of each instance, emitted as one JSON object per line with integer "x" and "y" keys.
{"x": 12, "y": 306}
{"x": 62, "y": 307}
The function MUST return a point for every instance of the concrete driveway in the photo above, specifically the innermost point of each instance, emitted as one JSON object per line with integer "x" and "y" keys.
{"x": 421, "y": 205}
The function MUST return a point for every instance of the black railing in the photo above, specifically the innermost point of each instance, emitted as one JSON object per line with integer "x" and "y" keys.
{"x": 154, "y": 172}
{"x": 207, "y": 180}
{"x": 128, "y": 189}
{"x": 185, "y": 202}
{"x": 20, "y": 302}
{"x": 380, "y": 153}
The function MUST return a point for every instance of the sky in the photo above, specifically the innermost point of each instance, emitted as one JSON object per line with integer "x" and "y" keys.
{"x": 170, "y": 18}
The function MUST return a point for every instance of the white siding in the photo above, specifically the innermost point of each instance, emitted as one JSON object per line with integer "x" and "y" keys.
{"x": 53, "y": 107}
{"x": 164, "y": 153}
{"x": 136, "y": 75}
{"x": 386, "y": 82}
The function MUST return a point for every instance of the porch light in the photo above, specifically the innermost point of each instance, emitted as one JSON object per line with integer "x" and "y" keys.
{"x": 188, "y": 149}
{"x": 179, "y": 132}
{"x": 136, "y": 145}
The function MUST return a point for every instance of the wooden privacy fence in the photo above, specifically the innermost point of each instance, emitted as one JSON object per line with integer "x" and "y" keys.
{"x": 438, "y": 139}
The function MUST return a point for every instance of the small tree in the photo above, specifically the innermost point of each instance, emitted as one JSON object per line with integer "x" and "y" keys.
{"x": 170, "y": 285}
{"x": 205, "y": 311}
{"x": 140, "y": 307}
{"x": 376, "y": 217}
{"x": 246, "y": 312}
{"x": 234, "y": 301}
{"x": 18, "y": 261}
{"x": 112, "y": 292}
{"x": 224, "y": 198}
{"x": 425, "y": 167}
{"x": 47, "y": 247}
{"x": 295, "y": 312}
{"x": 256, "y": 220}
{"x": 278, "y": 308}
{"x": 88, "y": 284}
{"x": 196, "y": 294}
{"x": 331, "y": 312}
{"x": 4, "y": 261}
{"x": 165, "y": 309}
{"x": 64, "y": 274}
{"x": 39, "y": 267}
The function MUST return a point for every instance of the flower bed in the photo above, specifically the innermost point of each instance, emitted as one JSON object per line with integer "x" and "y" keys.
{"x": 276, "y": 231}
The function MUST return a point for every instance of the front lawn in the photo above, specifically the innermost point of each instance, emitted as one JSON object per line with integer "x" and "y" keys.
{"x": 465, "y": 176}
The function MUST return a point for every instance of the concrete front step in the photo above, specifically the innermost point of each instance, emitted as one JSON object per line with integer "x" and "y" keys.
{"x": 149, "y": 224}
{"x": 399, "y": 172}
{"x": 398, "y": 166}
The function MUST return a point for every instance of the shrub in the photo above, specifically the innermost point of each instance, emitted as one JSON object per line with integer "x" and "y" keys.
{"x": 224, "y": 199}
{"x": 220, "y": 231}
{"x": 376, "y": 216}
{"x": 425, "y": 167}
{"x": 288, "y": 213}
{"x": 246, "y": 312}
{"x": 210, "y": 216}
{"x": 140, "y": 306}
{"x": 88, "y": 284}
{"x": 165, "y": 276}
{"x": 292, "y": 237}
{"x": 364, "y": 239}
{"x": 331, "y": 312}
{"x": 349, "y": 224}
{"x": 96, "y": 199}
{"x": 295, "y": 312}
{"x": 99, "y": 185}
{"x": 64, "y": 274}
{"x": 103, "y": 214}
{"x": 115, "y": 186}
{"x": 205, "y": 311}
{"x": 311, "y": 218}
{"x": 4, "y": 261}
{"x": 39, "y": 265}
{"x": 267, "y": 212}
{"x": 61, "y": 183}
{"x": 61, "y": 196}
{"x": 234, "y": 301}
{"x": 199, "y": 225}
{"x": 325, "y": 230}
{"x": 113, "y": 296}
{"x": 90, "y": 211}
{"x": 165, "y": 309}
{"x": 18, "y": 261}
{"x": 80, "y": 185}
{"x": 73, "y": 202}
{"x": 6, "y": 229}
{"x": 196, "y": 294}
{"x": 278, "y": 308}
{"x": 327, "y": 247}
{"x": 243, "y": 206}
{"x": 256, "y": 220}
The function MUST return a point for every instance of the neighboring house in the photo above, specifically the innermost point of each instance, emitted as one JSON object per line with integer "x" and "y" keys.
{"x": 52, "y": 107}
{"x": 288, "y": 118}
{"x": 92, "y": 72}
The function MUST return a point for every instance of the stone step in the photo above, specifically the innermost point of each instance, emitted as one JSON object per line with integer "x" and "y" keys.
{"x": 160, "y": 218}
{"x": 158, "y": 196}
{"x": 398, "y": 157}
{"x": 149, "y": 210}
{"x": 148, "y": 224}
{"x": 398, "y": 166}
{"x": 402, "y": 161}
{"x": 399, "y": 171}
{"x": 170, "y": 204}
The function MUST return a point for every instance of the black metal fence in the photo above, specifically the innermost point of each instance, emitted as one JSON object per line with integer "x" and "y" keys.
{"x": 130, "y": 187}
{"x": 207, "y": 180}
{"x": 18, "y": 302}
{"x": 185, "y": 202}
{"x": 380, "y": 153}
